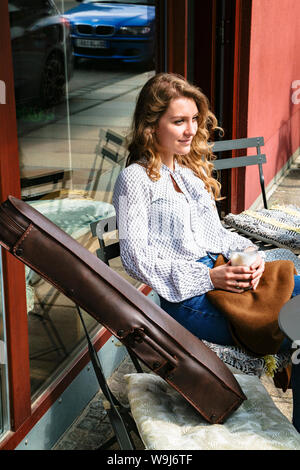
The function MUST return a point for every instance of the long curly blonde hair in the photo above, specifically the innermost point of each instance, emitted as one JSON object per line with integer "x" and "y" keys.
{"x": 152, "y": 103}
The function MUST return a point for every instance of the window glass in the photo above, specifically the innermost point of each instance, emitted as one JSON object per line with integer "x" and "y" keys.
{"x": 3, "y": 364}
{"x": 77, "y": 74}
{"x": 136, "y": 2}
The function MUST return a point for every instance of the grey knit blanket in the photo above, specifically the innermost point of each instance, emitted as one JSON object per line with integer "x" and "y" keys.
{"x": 279, "y": 225}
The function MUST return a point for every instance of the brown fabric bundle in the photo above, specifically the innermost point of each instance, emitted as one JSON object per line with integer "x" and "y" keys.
{"x": 253, "y": 314}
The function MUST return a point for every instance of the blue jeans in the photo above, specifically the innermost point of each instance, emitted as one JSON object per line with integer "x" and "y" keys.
{"x": 206, "y": 322}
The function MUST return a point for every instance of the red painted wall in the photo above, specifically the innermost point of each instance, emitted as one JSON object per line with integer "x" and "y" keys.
{"x": 274, "y": 66}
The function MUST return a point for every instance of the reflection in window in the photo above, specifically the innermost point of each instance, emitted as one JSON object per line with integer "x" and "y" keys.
{"x": 73, "y": 113}
{"x": 113, "y": 30}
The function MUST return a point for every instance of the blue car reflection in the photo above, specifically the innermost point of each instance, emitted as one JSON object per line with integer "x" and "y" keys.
{"x": 113, "y": 30}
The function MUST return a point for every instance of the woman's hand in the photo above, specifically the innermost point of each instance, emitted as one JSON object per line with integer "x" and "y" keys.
{"x": 259, "y": 267}
{"x": 237, "y": 278}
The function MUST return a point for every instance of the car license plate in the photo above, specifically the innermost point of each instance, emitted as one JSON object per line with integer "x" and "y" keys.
{"x": 92, "y": 43}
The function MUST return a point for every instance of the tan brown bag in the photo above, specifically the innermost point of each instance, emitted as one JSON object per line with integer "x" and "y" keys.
{"x": 253, "y": 314}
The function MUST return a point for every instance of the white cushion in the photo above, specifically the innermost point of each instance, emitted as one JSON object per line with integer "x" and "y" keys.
{"x": 166, "y": 421}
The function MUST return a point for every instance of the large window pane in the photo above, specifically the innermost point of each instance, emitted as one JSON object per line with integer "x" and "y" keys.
{"x": 78, "y": 68}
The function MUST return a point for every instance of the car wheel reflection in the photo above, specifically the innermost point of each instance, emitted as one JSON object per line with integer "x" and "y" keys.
{"x": 53, "y": 81}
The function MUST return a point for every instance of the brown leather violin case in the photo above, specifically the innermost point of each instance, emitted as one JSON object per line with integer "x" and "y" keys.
{"x": 154, "y": 337}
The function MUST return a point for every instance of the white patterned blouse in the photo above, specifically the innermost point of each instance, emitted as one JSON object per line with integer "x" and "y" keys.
{"x": 163, "y": 232}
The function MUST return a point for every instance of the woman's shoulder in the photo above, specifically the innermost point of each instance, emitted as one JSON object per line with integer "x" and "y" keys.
{"x": 132, "y": 179}
{"x": 134, "y": 169}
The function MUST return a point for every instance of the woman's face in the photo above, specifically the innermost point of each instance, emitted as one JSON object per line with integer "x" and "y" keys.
{"x": 176, "y": 128}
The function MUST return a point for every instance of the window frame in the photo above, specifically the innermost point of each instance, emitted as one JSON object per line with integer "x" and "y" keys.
{"x": 13, "y": 272}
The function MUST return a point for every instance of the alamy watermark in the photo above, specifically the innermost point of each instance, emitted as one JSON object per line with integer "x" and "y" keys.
{"x": 2, "y": 92}
{"x": 2, "y": 352}
{"x": 296, "y": 354}
{"x": 165, "y": 219}
{"x": 296, "y": 94}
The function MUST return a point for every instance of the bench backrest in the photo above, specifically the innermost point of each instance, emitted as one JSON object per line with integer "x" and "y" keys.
{"x": 110, "y": 148}
{"x": 111, "y": 145}
{"x": 237, "y": 162}
{"x": 107, "y": 226}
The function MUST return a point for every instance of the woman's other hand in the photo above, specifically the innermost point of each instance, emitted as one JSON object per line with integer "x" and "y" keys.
{"x": 237, "y": 278}
{"x": 259, "y": 267}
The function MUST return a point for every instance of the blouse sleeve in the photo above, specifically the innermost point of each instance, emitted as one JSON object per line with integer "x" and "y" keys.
{"x": 233, "y": 241}
{"x": 173, "y": 279}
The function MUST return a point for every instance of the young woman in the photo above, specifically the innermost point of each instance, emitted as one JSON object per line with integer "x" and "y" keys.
{"x": 169, "y": 229}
